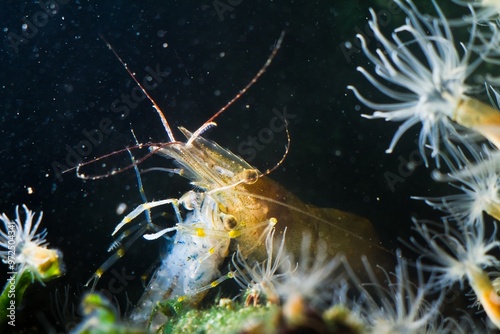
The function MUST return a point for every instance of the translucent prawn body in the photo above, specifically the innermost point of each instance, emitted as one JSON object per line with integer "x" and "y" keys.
{"x": 233, "y": 208}
{"x": 192, "y": 262}
{"x": 203, "y": 236}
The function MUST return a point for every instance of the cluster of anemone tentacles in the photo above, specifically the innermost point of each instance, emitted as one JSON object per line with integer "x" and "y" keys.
{"x": 430, "y": 78}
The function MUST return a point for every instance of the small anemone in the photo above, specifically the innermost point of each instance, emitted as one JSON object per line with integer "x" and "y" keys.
{"x": 398, "y": 305}
{"x": 487, "y": 10}
{"x": 24, "y": 249}
{"x": 262, "y": 279}
{"x": 313, "y": 276}
{"x": 278, "y": 281}
{"x": 455, "y": 254}
{"x": 476, "y": 174}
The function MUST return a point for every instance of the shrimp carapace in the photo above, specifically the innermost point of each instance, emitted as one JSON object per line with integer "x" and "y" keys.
{"x": 343, "y": 232}
{"x": 247, "y": 201}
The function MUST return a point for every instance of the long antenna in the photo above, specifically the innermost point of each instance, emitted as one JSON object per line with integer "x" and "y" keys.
{"x": 157, "y": 108}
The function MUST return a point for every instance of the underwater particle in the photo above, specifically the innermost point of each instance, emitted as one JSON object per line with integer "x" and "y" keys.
{"x": 30, "y": 190}
{"x": 120, "y": 209}
{"x": 68, "y": 88}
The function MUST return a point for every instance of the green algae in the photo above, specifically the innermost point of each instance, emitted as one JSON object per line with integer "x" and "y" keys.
{"x": 225, "y": 320}
{"x": 101, "y": 317}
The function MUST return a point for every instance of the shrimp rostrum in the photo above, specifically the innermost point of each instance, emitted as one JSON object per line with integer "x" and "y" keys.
{"x": 233, "y": 207}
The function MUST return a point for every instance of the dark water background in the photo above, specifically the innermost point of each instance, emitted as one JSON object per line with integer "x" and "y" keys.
{"x": 62, "y": 80}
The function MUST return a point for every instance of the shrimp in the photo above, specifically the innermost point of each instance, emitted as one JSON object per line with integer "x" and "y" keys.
{"x": 235, "y": 202}
{"x": 233, "y": 208}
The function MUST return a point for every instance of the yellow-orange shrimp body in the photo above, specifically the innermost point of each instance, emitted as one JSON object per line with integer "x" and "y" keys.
{"x": 234, "y": 202}
{"x": 247, "y": 201}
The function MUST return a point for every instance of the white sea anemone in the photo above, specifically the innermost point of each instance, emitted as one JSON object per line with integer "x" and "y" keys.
{"x": 398, "y": 305}
{"x": 313, "y": 276}
{"x": 478, "y": 177}
{"x": 278, "y": 280}
{"x": 464, "y": 254}
{"x": 262, "y": 279}
{"x": 487, "y": 10}
{"x": 24, "y": 249}
{"x": 428, "y": 75}
{"x": 456, "y": 254}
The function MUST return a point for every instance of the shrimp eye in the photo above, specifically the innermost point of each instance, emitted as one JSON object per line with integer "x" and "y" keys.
{"x": 250, "y": 176}
{"x": 229, "y": 222}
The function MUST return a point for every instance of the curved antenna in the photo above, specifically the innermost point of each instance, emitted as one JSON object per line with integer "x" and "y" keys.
{"x": 201, "y": 129}
{"x": 157, "y": 108}
{"x": 287, "y": 149}
{"x": 267, "y": 172}
{"x": 205, "y": 126}
{"x": 157, "y": 146}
